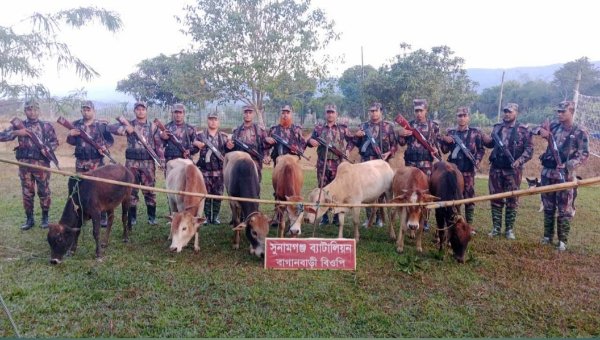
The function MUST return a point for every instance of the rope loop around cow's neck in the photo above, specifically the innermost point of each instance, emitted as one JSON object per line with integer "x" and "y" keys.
{"x": 77, "y": 180}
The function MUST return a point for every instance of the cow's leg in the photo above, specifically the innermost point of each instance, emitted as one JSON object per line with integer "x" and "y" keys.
{"x": 391, "y": 232}
{"x": 96, "y": 232}
{"x": 441, "y": 224}
{"x": 282, "y": 214}
{"x": 125, "y": 220}
{"x": 402, "y": 225}
{"x": 196, "y": 243}
{"x": 110, "y": 219}
{"x": 342, "y": 217}
{"x": 419, "y": 235}
{"x": 356, "y": 222}
{"x": 236, "y": 240}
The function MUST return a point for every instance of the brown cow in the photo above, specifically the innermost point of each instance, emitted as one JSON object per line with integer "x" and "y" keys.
{"x": 410, "y": 185}
{"x": 447, "y": 183}
{"x": 87, "y": 200}
{"x": 186, "y": 211}
{"x": 288, "y": 179}
{"x": 241, "y": 180}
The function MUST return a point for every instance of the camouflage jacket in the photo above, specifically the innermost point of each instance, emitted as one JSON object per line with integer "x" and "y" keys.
{"x": 293, "y": 135}
{"x": 186, "y": 134}
{"x": 253, "y": 136}
{"x": 208, "y": 161}
{"x": 472, "y": 139}
{"x": 517, "y": 139}
{"x": 573, "y": 149}
{"x": 383, "y": 133}
{"x": 26, "y": 149}
{"x": 135, "y": 150}
{"x": 99, "y": 133}
{"x": 338, "y": 135}
{"x": 415, "y": 151}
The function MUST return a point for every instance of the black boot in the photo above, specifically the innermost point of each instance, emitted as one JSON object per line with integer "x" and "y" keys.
{"x": 103, "y": 219}
{"x": 216, "y": 208}
{"x": 45, "y": 222}
{"x": 132, "y": 215}
{"x": 208, "y": 211}
{"x": 151, "y": 214}
{"x": 324, "y": 219}
{"x": 29, "y": 222}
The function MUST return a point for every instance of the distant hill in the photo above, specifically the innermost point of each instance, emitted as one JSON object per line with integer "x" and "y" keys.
{"x": 489, "y": 77}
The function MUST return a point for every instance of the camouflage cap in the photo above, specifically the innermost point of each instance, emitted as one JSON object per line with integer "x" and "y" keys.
{"x": 32, "y": 103}
{"x": 178, "y": 107}
{"x": 286, "y": 108}
{"x": 420, "y": 104}
{"x": 330, "y": 107}
{"x": 463, "y": 110}
{"x": 212, "y": 115}
{"x": 87, "y": 103}
{"x": 140, "y": 103}
{"x": 375, "y": 106}
{"x": 566, "y": 105}
{"x": 512, "y": 107}
{"x": 247, "y": 108}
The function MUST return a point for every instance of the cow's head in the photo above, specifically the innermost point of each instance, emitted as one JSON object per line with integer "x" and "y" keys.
{"x": 295, "y": 214}
{"x": 61, "y": 238}
{"x": 310, "y": 213}
{"x": 257, "y": 229}
{"x": 460, "y": 237}
{"x": 414, "y": 213}
{"x": 184, "y": 226}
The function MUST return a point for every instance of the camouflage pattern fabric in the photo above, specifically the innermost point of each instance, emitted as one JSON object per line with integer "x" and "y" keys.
{"x": 144, "y": 173}
{"x": 340, "y": 137}
{"x": 87, "y": 158}
{"x": 384, "y": 135}
{"x": 416, "y": 154}
{"x": 29, "y": 179}
{"x": 208, "y": 163}
{"x": 186, "y": 134}
{"x": 292, "y": 134}
{"x": 253, "y": 136}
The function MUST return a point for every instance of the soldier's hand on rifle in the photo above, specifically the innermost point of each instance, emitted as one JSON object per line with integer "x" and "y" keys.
{"x": 544, "y": 133}
{"x": 186, "y": 154}
{"x": 20, "y": 133}
{"x": 270, "y": 140}
{"x": 164, "y": 135}
{"x": 516, "y": 164}
{"x": 103, "y": 150}
{"x": 448, "y": 140}
{"x": 74, "y": 132}
{"x": 313, "y": 142}
{"x": 404, "y": 132}
{"x": 386, "y": 155}
{"x": 229, "y": 144}
{"x": 486, "y": 139}
{"x": 267, "y": 160}
{"x": 360, "y": 133}
{"x": 129, "y": 129}
{"x": 200, "y": 145}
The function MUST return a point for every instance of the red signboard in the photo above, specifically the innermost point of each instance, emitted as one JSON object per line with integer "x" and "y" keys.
{"x": 310, "y": 253}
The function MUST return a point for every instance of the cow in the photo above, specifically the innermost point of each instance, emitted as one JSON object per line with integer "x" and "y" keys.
{"x": 86, "y": 201}
{"x": 241, "y": 180}
{"x": 288, "y": 179}
{"x": 186, "y": 211}
{"x": 447, "y": 183}
{"x": 410, "y": 185}
{"x": 353, "y": 184}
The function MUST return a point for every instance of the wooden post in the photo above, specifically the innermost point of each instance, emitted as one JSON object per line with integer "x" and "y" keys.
{"x": 500, "y": 99}
{"x": 576, "y": 92}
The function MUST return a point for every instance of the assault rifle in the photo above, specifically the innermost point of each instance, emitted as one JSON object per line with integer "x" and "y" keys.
{"x": 293, "y": 149}
{"x": 213, "y": 148}
{"x": 174, "y": 139}
{"x": 247, "y": 148}
{"x": 502, "y": 147}
{"x": 142, "y": 141}
{"x": 554, "y": 148}
{"x": 86, "y": 137}
{"x": 464, "y": 149}
{"x": 333, "y": 149}
{"x": 418, "y": 136}
{"x": 44, "y": 149}
{"x": 370, "y": 141}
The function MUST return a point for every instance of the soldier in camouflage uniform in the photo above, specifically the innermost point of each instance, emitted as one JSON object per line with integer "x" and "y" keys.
{"x": 416, "y": 154}
{"x": 252, "y": 135}
{"x": 572, "y": 144}
{"x": 27, "y": 152}
{"x": 211, "y": 165}
{"x": 288, "y": 131}
{"x": 138, "y": 160}
{"x": 384, "y": 147}
{"x": 87, "y": 158}
{"x": 185, "y": 133}
{"x": 506, "y": 175}
{"x": 472, "y": 139}
{"x": 340, "y": 137}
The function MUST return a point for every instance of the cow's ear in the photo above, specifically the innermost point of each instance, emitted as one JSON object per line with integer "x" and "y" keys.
{"x": 169, "y": 217}
{"x": 310, "y": 209}
{"x": 399, "y": 199}
{"x": 200, "y": 220}
{"x": 240, "y": 227}
{"x": 430, "y": 198}
{"x": 72, "y": 230}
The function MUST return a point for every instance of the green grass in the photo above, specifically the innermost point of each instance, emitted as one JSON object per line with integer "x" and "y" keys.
{"x": 506, "y": 289}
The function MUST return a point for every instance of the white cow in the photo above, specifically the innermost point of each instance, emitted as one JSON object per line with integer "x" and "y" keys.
{"x": 186, "y": 211}
{"x": 353, "y": 184}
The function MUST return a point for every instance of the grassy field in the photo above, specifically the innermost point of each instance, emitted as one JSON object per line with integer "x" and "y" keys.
{"x": 506, "y": 288}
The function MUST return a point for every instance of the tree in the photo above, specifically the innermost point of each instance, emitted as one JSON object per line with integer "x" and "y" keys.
{"x": 351, "y": 84}
{"x": 23, "y": 55}
{"x": 166, "y": 80}
{"x": 246, "y": 45}
{"x": 566, "y": 76}
{"x": 297, "y": 90}
{"x": 437, "y": 76}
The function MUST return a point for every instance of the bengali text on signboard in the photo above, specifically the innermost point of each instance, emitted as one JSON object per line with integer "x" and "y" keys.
{"x": 310, "y": 253}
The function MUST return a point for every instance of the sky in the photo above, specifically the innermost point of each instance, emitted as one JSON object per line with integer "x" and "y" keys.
{"x": 486, "y": 34}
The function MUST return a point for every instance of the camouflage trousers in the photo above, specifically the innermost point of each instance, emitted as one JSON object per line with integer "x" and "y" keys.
{"x": 29, "y": 179}
{"x": 330, "y": 171}
{"x": 83, "y": 166}
{"x": 469, "y": 190}
{"x": 561, "y": 201}
{"x": 214, "y": 184}
{"x": 144, "y": 173}
{"x": 424, "y": 166}
{"x": 503, "y": 180}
